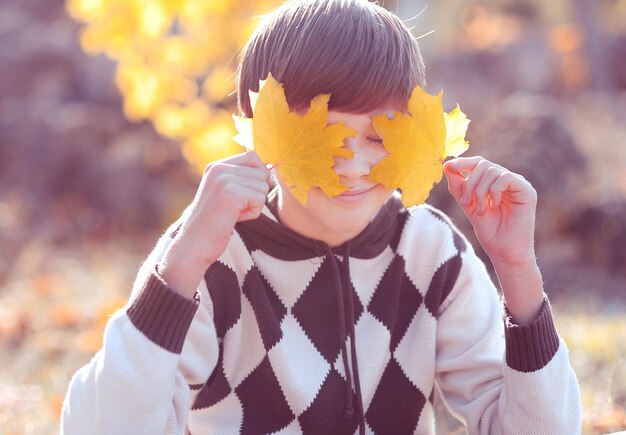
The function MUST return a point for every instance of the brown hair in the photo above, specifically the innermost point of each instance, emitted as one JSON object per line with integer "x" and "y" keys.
{"x": 360, "y": 53}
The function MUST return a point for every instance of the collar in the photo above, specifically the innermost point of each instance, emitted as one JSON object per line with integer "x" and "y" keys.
{"x": 275, "y": 239}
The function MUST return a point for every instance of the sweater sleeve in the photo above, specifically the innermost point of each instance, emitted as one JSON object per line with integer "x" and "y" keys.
{"x": 139, "y": 382}
{"x": 498, "y": 377}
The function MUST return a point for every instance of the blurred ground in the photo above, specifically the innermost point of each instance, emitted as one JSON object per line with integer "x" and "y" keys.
{"x": 84, "y": 192}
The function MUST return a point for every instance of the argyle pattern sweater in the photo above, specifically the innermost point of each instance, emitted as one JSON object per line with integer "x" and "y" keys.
{"x": 288, "y": 336}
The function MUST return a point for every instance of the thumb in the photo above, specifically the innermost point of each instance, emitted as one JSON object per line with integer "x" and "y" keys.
{"x": 455, "y": 181}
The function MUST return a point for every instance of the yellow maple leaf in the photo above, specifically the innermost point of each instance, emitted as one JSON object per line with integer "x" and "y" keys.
{"x": 418, "y": 143}
{"x": 302, "y": 147}
{"x": 456, "y": 127}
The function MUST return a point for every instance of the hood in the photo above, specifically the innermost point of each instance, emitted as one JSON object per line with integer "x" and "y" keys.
{"x": 283, "y": 243}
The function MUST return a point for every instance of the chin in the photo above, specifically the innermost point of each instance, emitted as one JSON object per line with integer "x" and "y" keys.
{"x": 325, "y": 218}
{"x": 344, "y": 218}
{"x": 345, "y": 224}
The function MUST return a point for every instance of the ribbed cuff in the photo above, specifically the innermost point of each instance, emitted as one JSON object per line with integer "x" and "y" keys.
{"x": 530, "y": 347}
{"x": 163, "y": 315}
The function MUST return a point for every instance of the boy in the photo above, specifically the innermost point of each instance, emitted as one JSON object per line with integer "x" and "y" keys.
{"x": 257, "y": 314}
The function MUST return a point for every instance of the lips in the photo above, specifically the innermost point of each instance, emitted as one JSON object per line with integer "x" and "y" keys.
{"x": 356, "y": 191}
{"x": 353, "y": 196}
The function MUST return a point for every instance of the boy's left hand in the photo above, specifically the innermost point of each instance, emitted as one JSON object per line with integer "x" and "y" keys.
{"x": 500, "y": 205}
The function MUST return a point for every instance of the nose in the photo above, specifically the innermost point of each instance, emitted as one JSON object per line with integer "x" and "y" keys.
{"x": 359, "y": 166}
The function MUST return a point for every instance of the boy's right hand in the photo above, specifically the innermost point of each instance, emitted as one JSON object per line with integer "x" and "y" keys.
{"x": 231, "y": 190}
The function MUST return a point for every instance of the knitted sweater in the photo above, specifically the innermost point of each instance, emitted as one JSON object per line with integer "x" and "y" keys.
{"x": 288, "y": 335}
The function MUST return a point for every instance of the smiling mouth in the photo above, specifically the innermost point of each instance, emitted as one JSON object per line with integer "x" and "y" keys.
{"x": 354, "y": 192}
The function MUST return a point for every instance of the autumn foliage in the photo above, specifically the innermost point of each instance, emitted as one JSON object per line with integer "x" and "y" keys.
{"x": 176, "y": 62}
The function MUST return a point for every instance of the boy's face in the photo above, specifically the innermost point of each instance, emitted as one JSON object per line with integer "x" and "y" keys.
{"x": 339, "y": 218}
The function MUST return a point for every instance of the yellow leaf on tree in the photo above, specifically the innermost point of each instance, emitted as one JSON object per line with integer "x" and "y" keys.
{"x": 154, "y": 19}
{"x": 164, "y": 49}
{"x": 417, "y": 146}
{"x": 85, "y": 9}
{"x": 302, "y": 147}
{"x": 219, "y": 83}
{"x": 213, "y": 142}
{"x": 178, "y": 122}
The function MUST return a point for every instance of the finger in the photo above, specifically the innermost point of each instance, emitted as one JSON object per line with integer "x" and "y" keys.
{"x": 253, "y": 206}
{"x": 250, "y": 214}
{"x": 482, "y": 190}
{"x": 249, "y": 158}
{"x": 226, "y": 180}
{"x": 466, "y": 165}
{"x": 462, "y": 164}
{"x": 472, "y": 180}
{"x": 495, "y": 190}
{"x": 259, "y": 173}
{"x": 219, "y": 169}
{"x": 455, "y": 181}
{"x": 510, "y": 183}
{"x": 233, "y": 182}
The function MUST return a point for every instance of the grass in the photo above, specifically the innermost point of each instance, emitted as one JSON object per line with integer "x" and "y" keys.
{"x": 597, "y": 344}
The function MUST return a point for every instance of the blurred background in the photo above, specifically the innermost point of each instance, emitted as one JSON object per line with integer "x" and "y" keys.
{"x": 109, "y": 110}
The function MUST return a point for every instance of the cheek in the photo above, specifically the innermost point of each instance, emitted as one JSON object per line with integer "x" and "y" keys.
{"x": 376, "y": 153}
{"x": 385, "y": 194}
